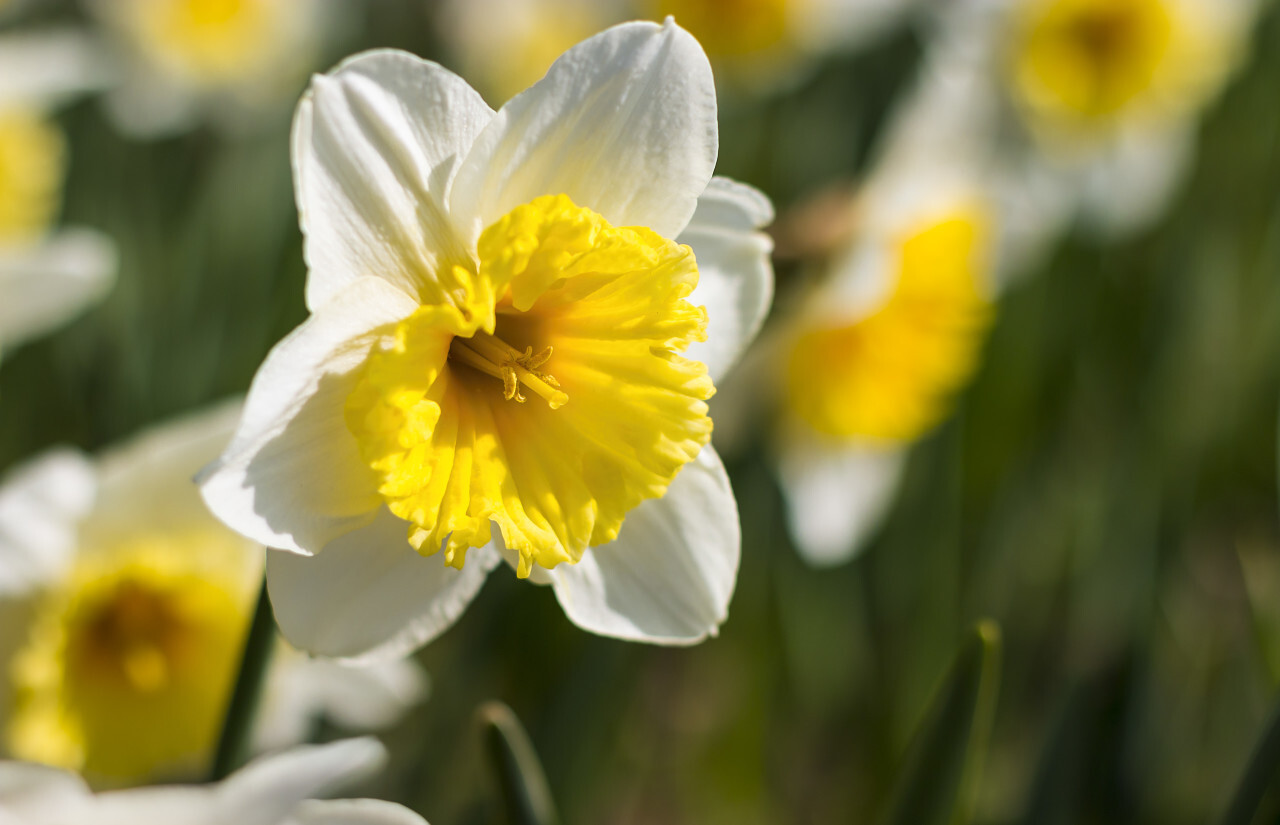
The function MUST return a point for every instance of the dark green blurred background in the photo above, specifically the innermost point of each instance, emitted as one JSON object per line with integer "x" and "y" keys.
{"x": 1106, "y": 492}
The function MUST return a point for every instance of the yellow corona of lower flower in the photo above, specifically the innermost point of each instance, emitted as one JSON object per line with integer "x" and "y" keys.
{"x": 552, "y": 410}
{"x": 1092, "y": 58}
{"x": 145, "y": 631}
{"x": 735, "y": 28}
{"x": 889, "y": 376}
{"x": 31, "y": 165}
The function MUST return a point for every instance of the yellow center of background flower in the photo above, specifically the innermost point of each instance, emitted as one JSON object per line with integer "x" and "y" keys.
{"x": 31, "y": 165}
{"x": 127, "y": 671}
{"x": 210, "y": 41}
{"x": 890, "y": 375}
{"x": 1091, "y": 58}
{"x": 732, "y": 28}
{"x": 548, "y": 398}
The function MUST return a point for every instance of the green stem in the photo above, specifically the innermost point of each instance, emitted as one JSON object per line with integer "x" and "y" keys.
{"x": 237, "y": 726}
{"x": 1258, "y": 776}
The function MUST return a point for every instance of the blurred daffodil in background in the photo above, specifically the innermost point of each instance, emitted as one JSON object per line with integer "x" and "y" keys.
{"x": 47, "y": 274}
{"x": 504, "y": 332}
{"x": 1096, "y": 101}
{"x": 232, "y": 62}
{"x": 127, "y": 606}
{"x": 271, "y": 791}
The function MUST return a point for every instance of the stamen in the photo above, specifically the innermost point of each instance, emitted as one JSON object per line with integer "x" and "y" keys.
{"x": 498, "y": 359}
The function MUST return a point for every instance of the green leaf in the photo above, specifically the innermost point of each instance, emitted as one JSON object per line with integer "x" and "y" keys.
{"x": 939, "y": 783}
{"x": 1260, "y": 776}
{"x": 525, "y": 794}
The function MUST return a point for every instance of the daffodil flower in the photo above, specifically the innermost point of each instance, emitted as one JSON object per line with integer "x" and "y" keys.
{"x": 505, "y": 333}
{"x": 46, "y": 276}
{"x": 229, "y": 61}
{"x": 1094, "y": 101}
{"x": 126, "y": 606}
{"x": 272, "y": 790}
{"x": 758, "y": 44}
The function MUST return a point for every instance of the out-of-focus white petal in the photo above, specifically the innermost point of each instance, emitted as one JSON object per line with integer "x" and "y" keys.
{"x": 353, "y": 812}
{"x": 262, "y": 793}
{"x": 292, "y": 478}
{"x": 40, "y": 67}
{"x": 48, "y": 283}
{"x": 36, "y": 794}
{"x": 670, "y": 574}
{"x": 301, "y": 689}
{"x": 836, "y": 495}
{"x": 1126, "y": 187}
{"x": 147, "y": 479}
{"x": 375, "y": 143}
{"x": 369, "y": 595}
{"x": 735, "y": 275}
{"x": 828, "y": 25}
{"x": 41, "y": 506}
{"x": 624, "y": 123}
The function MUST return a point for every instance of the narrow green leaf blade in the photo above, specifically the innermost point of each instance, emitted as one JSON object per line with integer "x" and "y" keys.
{"x": 525, "y": 794}
{"x": 939, "y": 783}
{"x": 1260, "y": 776}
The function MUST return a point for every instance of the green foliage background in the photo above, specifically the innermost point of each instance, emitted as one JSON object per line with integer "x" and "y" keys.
{"x": 1106, "y": 491}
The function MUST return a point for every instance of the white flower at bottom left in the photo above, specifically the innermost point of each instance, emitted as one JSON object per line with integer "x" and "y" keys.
{"x": 269, "y": 791}
{"x": 124, "y": 606}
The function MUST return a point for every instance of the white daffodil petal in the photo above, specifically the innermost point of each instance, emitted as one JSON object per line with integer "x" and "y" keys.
{"x": 39, "y": 67}
{"x": 37, "y": 794}
{"x": 41, "y": 505}
{"x": 670, "y": 574}
{"x": 292, "y": 477}
{"x": 46, "y": 284}
{"x": 301, "y": 688}
{"x": 836, "y": 495}
{"x": 262, "y": 793}
{"x": 735, "y": 276}
{"x": 624, "y": 123}
{"x": 1126, "y": 187}
{"x": 374, "y": 145}
{"x": 370, "y": 595}
{"x": 353, "y": 812}
{"x": 147, "y": 479}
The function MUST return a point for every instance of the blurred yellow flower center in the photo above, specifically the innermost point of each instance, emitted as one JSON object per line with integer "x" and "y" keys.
{"x": 545, "y": 394}
{"x": 31, "y": 165}
{"x": 213, "y": 41}
{"x": 127, "y": 671}
{"x": 890, "y": 375}
{"x": 1091, "y": 58}
{"x": 732, "y": 28}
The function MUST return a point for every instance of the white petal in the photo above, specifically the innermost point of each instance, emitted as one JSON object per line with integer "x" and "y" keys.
{"x": 353, "y": 812}
{"x": 1127, "y": 187}
{"x": 670, "y": 574}
{"x": 735, "y": 275}
{"x": 38, "y": 794}
{"x": 370, "y": 595}
{"x": 301, "y": 689}
{"x": 624, "y": 123}
{"x": 37, "y": 67}
{"x": 147, "y": 479}
{"x": 292, "y": 477}
{"x": 836, "y": 495}
{"x": 47, "y": 284}
{"x": 42, "y": 504}
{"x": 375, "y": 143}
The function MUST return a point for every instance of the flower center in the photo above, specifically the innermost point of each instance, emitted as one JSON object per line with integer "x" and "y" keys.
{"x": 498, "y": 359}
{"x": 437, "y": 414}
{"x": 208, "y": 41}
{"x": 1091, "y": 58}
{"x": 31, "y": 164}
{"x": 888, "y": 376}
{"x": 127, "y": 670}
{"x": 733, "y": 28}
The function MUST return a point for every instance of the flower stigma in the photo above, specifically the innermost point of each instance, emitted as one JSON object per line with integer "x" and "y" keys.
{"x": 561, "y": 305}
